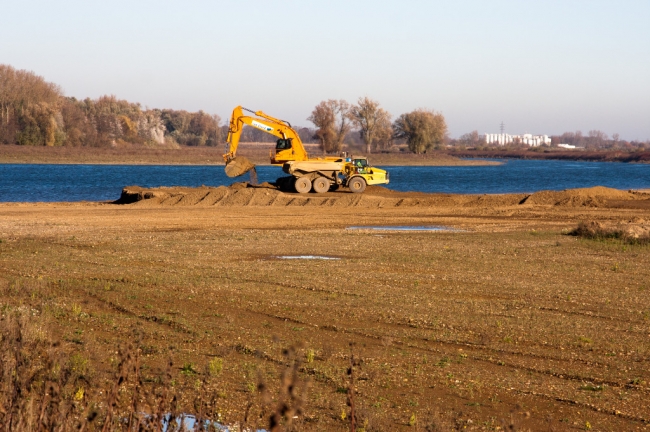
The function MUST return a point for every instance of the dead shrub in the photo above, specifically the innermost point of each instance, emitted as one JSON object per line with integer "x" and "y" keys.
{"x": 596, "y": 231}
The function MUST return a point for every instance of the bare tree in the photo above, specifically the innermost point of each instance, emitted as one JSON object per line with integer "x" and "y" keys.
{"x": 341, "y": 109}
{"x": 471, "y": 138}
{"x": 324, "y": 119}
{"x": 384, "y": 132}
{"x": 332, "y": 120}
{"x": 423, "y": 129}
{"x": 597, "y": 138}
{"x": 372, "y": 120}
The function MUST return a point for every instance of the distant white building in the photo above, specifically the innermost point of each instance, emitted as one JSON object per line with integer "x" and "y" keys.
{"x": 526, "y": 139}
{"x": 566, "y": 146}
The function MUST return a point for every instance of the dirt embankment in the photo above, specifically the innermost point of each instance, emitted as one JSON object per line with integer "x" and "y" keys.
{"x": 258, "y": 153}
{"x": 244, "y": 194}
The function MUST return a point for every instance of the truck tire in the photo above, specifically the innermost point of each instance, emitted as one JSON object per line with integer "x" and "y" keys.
{"x": 302, "y": 184}
{"x": 357, "y": 184}
{"x": 320, "y": 185}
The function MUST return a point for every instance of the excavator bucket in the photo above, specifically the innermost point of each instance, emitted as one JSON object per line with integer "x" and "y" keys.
{"x": 238, "y": 166}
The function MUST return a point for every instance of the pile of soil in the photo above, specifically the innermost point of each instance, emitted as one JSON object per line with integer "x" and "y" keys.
{"x": 597, "y": 196}
{"x": 266, "y": 194}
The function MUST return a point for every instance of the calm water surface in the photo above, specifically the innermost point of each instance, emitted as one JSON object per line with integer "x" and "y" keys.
{"x": 30, "y": 183}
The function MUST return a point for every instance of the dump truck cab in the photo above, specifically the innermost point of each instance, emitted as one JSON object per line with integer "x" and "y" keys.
{"x": 359, "y": 173}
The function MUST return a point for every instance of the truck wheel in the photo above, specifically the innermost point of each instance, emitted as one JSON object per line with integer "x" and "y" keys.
{"x": 321, "y": 185}
{"x": 302, "y": 185}
{"x": 357, "y": 184}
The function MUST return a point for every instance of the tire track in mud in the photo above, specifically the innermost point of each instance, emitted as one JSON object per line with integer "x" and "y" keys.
{"x": 548, "y": 372}
{"x": 320, "y": 375}
{"x": 565, "y": 377}
{"x": 287, "y": 285}
{"x": 612, "y": 412}
{"x": 119, "y": 308}
{"x": 312, "y": 371}
{"x": 151, "y": 318}
{"x": 470, "y": 345}
{"x": 272, "y": 202}
{"x": 219, "y": 199}
{"x": 589, "y": 315}
{"x": 586, "y": 362}
{"x": 202, "y": 198}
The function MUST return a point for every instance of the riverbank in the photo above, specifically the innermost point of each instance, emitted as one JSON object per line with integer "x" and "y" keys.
{"x": 554, "y": 154}
{"x": 258, "y": 153}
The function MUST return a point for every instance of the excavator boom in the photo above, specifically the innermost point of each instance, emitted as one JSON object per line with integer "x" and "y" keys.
{"x": 289, "y": 147}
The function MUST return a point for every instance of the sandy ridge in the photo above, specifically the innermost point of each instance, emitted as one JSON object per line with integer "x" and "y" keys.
{"x": 264, "y": 195}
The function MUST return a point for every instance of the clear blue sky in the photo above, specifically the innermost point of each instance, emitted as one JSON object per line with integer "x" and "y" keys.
{"x": 542, "y": 67}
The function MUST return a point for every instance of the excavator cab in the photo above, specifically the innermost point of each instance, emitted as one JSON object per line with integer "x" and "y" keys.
{"x": 283, "y": 151}
{"x": 283, "y": 144}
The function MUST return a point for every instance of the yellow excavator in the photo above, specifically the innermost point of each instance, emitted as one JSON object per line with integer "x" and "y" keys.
{"x": 317, "y": 174}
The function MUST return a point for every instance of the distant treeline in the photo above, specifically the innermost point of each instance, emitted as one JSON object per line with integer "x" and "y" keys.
{"x": 35, "y": 112}
{"x": 593, "y": 140}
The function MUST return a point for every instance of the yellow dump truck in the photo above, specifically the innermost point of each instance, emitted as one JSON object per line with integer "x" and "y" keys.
{"x": 317, "y": 174}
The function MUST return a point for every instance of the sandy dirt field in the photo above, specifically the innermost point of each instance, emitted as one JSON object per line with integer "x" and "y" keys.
{"x": 503, "y": 322}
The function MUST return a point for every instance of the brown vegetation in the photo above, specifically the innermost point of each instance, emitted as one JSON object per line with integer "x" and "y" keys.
{"x": 35, "y": 113}
{"x": 637, "y": 232}
{"x": 47, "y": 385}
{"x": 331, "y": 117}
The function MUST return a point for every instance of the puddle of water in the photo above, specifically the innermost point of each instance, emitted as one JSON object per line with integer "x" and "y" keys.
{"x": 189, "y": 423}
{"x": 307, "y": 257}
{"x": 404, "y": 228}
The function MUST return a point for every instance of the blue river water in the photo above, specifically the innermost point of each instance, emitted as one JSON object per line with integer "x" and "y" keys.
{"x": 33, "y": 183}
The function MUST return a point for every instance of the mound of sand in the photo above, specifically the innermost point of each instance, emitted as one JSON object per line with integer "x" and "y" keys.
{"x": 597, "y": 196}
{"x": 266, "y": 194}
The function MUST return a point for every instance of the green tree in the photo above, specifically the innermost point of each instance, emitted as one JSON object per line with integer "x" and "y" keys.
{"x": 423, "y": 129}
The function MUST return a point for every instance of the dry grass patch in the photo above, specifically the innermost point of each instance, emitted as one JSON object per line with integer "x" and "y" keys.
{"x": 629, "y": 234}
